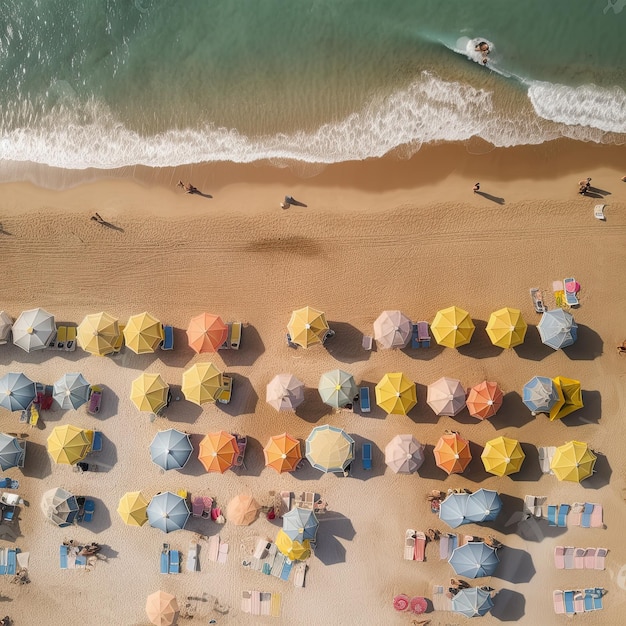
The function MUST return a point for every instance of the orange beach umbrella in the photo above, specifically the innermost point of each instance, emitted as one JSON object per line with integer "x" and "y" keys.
{"x": 282, "y": 453}
{"x": 452, "y": 453}
{"x": 484, "y": 400}
{"x": 218, "y": 451}
{"x": 206, "y": 333}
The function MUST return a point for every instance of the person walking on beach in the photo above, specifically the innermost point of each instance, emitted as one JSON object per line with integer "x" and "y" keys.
{"x": 287, "y": 202}
{"x": 96, "y": 217}
{"x": 476, "y": 187}
{"x": 188, "y": 187}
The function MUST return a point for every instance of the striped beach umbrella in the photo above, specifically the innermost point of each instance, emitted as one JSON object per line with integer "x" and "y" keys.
{"x": 329, "y": 449}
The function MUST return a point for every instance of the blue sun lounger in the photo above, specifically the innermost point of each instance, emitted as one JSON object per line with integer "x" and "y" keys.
{"x": 63, "y": 557}
{"x": 415, "y": 342}
{"x": 597, "y": 599}
{"x": 366, "y": 456}
{"x": 12, "y": 562}
{"x": 96, "y": 445}
{"x": 585, "y": 520}
{"x": 284, "y": 574}
{"x": 568, "y": 597}
{"x": 168, "y": 338}
{"x": 552, "y": 515}
{"x": 90, "y": 507}
{"x": 174, "y": 562}
{"x": 165, "y": 559}
{"x": 563, "y": 511}
{"x": 364, "y": 399}
{"x": 81, "y": 561}
{"x": 589, "y": 596}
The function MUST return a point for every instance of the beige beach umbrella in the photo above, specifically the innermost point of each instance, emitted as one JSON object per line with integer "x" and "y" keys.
{"x": 284, "y": 392}
{"x": 242, "y": 510}
{"x": 392, "y": 329}
{"x": 98, "y": 333}
{"x": 161, "y": 608}
{"x": 202, "y": 383}
{"x": 143, "y": 333}
{"x": 446, "y": 396}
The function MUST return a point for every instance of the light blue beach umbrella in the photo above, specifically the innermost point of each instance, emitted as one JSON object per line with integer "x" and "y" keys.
{"x": 474, "y": 560}
{"x": 71, "y": 391}
{"x": 540, "y": 394}
{"x": 300, "y": 524}
{"x": 483, "y": 505}
{"x": 16, "y": 391}
{"x": 11, "y": 452}
{"x": 452, "y": 509}
{"x": 34, "y": 329}
{"x": 329, "y": 449}
{"x": 171, "y": 449}
{"x": 472, "y": 602}
{"x": 557, "y": 329}
{"x": 337, "y": 388}
{"x": 168, "y": 512}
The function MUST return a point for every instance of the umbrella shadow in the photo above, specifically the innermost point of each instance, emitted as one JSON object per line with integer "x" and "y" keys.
{"x": 109, "y": 405}
{"x": 243, "y": 399}
{"x": 516, "y": 566}
{"x": 333, "y": 526}
{"x": 533, "y": 349}
{"x": 306, "y": 472}
{"x": 37, "y": 462}
{"x": 480, "y": 347}
{"x": 601, "y": 473}
{"x": 251, "y": 348}
{"x": 421, "y": 413}
{"x": 429, "y": 468}
{"x": 424, "y": 354}
{"x": 378, "y": 460}
{"x": 106, "y": 458}
{"x": 508, "y": 606}
{"x": 108, "y": 552}
{"x": 313, "y": 408}
{"x": 476, "y": 471}
{"x": 588, "y": 345}
{"x": 180, "y": 410}
{"x": 591, "y": 413}
{"x": 346, "y": 345}
{"x": 101, "y": 517}
{"x": 10, "y": 532}
{"x": 511, "y": 521}
{"x": 181, "y": 355}
{"x": 531, "y": 469}
{"x": 513, "y": 412}
{"x": 194, "y": 467}
{"x": 254, "y": 459}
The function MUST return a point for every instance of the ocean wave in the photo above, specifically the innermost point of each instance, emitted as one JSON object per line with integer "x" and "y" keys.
{"x": 588, "y": 105}
{"x": 72, "y": 135}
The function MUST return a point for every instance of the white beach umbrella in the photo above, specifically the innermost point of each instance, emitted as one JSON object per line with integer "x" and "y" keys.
{"x": 392, "y": 329}
{"x": 34, "y": 329}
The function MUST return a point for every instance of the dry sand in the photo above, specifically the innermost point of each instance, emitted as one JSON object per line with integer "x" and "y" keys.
{"x": 378, "y": 235}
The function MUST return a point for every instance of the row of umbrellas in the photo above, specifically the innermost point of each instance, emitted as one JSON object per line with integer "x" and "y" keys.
{"x": 483, "y": 505}
{"x": 471, "y": 602}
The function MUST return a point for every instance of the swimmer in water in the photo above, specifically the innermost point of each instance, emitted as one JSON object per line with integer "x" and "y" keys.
{"x": 483, "y": 47}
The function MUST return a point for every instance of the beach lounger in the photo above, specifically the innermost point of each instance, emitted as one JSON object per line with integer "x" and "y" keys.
{"x": 192, "y": 557}
{"x": 242, "y": 442}
{"x": 364, "y": 399}
{"x": 552, "y": 514}
{"x": 226, "y": 344}
{"x": 275, "y": 606}
{"x": 255, "y": 602}
{"x": 366, "y": 456}
{"x": 443, "y": 548}
{"x": 569, "y": 557}
{"x": 52, "y": 344}
{"x": 285, "y": 499}
{"x": 545, "y": 458}
{"x": 227, "y": 392}
{"x": 568, "y": 598}
{"x": 596, "y": 517}
{"x": 299, "y": 573}
{"x": 96, "y": 445}
{"x": 286, "y": 569}
{"x": 453, "y": 542}
{"x": 409, "y": 545}
{"x": 174, "y": 562}
{"x": 95, "y": 399}
{"x": 559, "y": 557}
{"x": 9, "y": 483}
{"x": 367, "y": 342}
{"x": 234, "y": 336}
{"x": 579, "y": 558}
{"x": 90, "y": 507}
{"x": 168, "y": 338}
{"x": 537, "y": 297}
{"x": 423, "y": 335}
{"x": 197, "y": 506}
{"x": 588, "y": 599}
{"x": 208, "y": 506}
{"x": 266, "y": 598}
{"x": 570, "y": 291}
{"x": 213, "y": 548}
{"x": 415, "y": 342}
{"x": 61, "y": 337}
{"x": 590, "y": 558}
{"x": 598, "y": 211}
{"x": 117, "y": 346}
{"x": 222, "y": 554}
{"x": 558, "y": 601}
{"x": 579, "y": 602}
{"x": 597, "y": 598}
{"x": 420, "y": 546}
{"x": 599, "y": 563}
{"x": 70, "y": 343}
{"x": 246, "y": 601}
{"x": 562, "y": 519}
{"x": 290, "y": 343}
{"x": 585, "y": 520}
{"x": 165, "y": 559}
{"x": 575, "y": 514}
{"x": 63, "y": 557}
{"x": 11, "y": 561}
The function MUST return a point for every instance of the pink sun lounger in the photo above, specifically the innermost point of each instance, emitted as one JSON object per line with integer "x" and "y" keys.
{"x": 559, "y": 557}
{"x": 579, "y": 558}
{"x": 420, "y": 546}
{"x": 596, "y": 517}
{"x": 559, "y": 602}
{"x": 600, "y": 558}
{"x": 590, "y": 558}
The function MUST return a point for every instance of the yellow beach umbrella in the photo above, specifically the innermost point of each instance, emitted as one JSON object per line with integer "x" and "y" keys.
{"x": 293, "y": 550}
{"x": 98, "y": 333}
{"x": 396, "y": 394}
{"x": 69, "y": 444}
{"x": 572, "y": 397}
{"x": 307, "y": 327}
{"x": 202, "y": 383}
{"x": 143, "y": 333}
{"x": 149, "y": 392}
{"x": 506, "y": 328}
{"x": 503, "y": 456}
{"x": 573, "y": 461}
{"x": 452, "y": 327}
{"x": 132, "y": 508}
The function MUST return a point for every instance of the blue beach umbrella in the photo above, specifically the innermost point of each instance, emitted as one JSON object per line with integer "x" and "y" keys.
{"x": 171, "y": 449}
{"x": 11, "y": 452}
{"x": 541, "y": 394}
{"x": 337, "y": 388}
{"x": 474, "y": 560}
{"x": 558, "y": 329}
{"x": 472, "y": 602}
{"x": 168, "y": 512}
{"x": 300, "y": 524}
{"x": 71, "y": 391}
{"x": 483, "y": 505}
{"x": 16, "y": 391}
{"x": 452, "y": 509}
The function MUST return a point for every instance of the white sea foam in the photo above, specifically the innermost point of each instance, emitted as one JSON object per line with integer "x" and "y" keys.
{"x": 76, "y": 136}
{"x": 587, "y": 105}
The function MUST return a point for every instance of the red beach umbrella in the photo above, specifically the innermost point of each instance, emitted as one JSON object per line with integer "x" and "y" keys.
{"x": 401, "y": 602}
{"x": 484, "y": 400}
{"x": 418, "y": 605}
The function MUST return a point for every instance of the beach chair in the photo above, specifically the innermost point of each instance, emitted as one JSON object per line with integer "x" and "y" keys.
{"x": 585, "y": 520}
{"x": 598, "y": 211}
{"x": 590, "y": 558}
{"x": 420, "y": 546}
{"x": 579, "y": 558}
{"x": 364, "y": 399}
{"x": 562, "y": 519}
{"x": 165, "y": 559}
{"x": 61, "y": 337}
{"x": 568, "y": 598}
{"x": 90, "y": 507}
{"x": 597, "y": 598}
{"x": 545, "y": 458}
{"x": 8, "y": 483}
{"x": 599, "y": 562}
{"x": 52, "y": 344}
{"x": 367, "y": 342}
{"x": 569, "y": 285}
{"x": 579, "y": 602}
{"x": 366, "y": 456}
{"x": 290, "y": 343}
{"x": 34, "y": 415}
{"x": 286, "y": 569}
{"x": 11, "y": 561}
{"x": 70, "y": 343}
{"x": 558, "y": 601}
{"x": 197, "y": 506}
{"x": 242, "y": 442}
{"x": 168, "y": 338}
{"x": 174, "y": 562}
{"x": 234, "y": 335}
{"x": 96, "y": 445}
{"x": 208, "y": 506}
{"x": 552, "y": 514}
{"x": 226, "y": 393}
{"x": 415, "y": 342}
{"x": 537, "y": 298}
{"x": 409, "y": 545}
{"x": 192, "y": 557}
{"x": 596, "y": 517}
{"x": 63, "y": 557}
{"x": 299, "y": 574}
{"x": 588, "y": 599}
{"x": 568, "y": 557}
{"x": 95, "y": 399}
{"x": 423, "y": 335}
{"x": 559, "y": 557}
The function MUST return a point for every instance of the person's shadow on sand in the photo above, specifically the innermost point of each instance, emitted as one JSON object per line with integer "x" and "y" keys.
{"x": 102, "y": 222}
{"x": 488, "y": 196}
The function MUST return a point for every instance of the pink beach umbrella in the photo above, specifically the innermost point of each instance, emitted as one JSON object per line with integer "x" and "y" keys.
{"x": 401, "y": 602}
{"x": 418, "y": 605}
{"x": 572, "y": 287}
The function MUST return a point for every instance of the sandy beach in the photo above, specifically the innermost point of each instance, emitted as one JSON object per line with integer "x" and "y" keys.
{"x": 381, "y": 234}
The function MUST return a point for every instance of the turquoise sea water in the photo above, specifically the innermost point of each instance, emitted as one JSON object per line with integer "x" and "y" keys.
{"x": 105, "y": 84}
